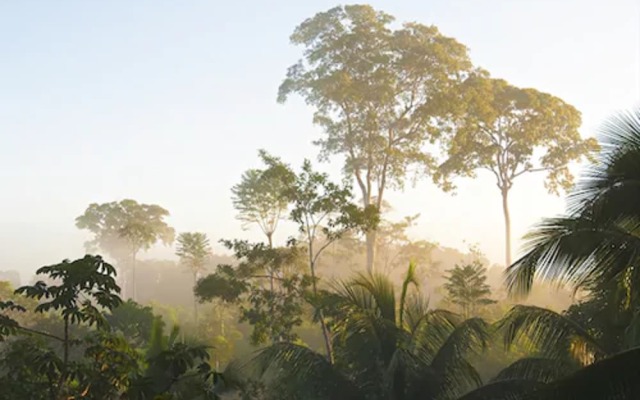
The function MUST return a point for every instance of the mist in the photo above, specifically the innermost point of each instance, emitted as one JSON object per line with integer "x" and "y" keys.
{"x": 393, "y": 201}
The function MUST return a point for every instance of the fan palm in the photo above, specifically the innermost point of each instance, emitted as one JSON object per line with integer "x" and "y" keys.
{"x": 386, "y": 347}
{"x": 598, "y": 241}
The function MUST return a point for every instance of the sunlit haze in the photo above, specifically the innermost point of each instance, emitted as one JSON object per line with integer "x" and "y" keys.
{"x": 169, "y": 102}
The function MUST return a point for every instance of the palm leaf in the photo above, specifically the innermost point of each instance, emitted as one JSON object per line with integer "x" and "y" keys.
{"x": 382, "y": 291}
{"x": 577, "y": 251}
{"x": 599, "y": 238}
{"x": 608, "y": 187}
{"x": 514, "y": 389}
{"x": 450, "y": 361}
{"x": 468, "y": 338}
{"x": 298, "y": 371}
{"x": 543, "y": 370}
{"x": 409, "y": 279}
{"x": 615, "y": 378}
{"x": 430, "y": 329}
{"x": 549, "y": 332}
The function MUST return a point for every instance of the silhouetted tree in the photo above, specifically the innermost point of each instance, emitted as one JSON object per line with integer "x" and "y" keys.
{"x": 123, "y": 229}
{"x": 467, "y": 287}
{"x": 194, "y": 252}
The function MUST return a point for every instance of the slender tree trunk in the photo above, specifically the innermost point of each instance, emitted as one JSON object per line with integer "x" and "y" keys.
{"x": 325, "y": 330}
{"x": 195, "y": 300}
{"x": 133, "y": 277}
{"x": 65, "y": 359}
{"x": 66, "y": 343}
{"x": 274, "y": 337}
{"x": 371, "y": 237}
{"x": 507, "y": 227}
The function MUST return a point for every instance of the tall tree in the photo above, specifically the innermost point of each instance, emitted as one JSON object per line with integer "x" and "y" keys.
{"x": 467, "y": 287}
{"x": 372, "y": 90}
{"x": 194, "y": 252}
{"x": 260, "y": 197}
{"x": 595, "y": 245}
{"x": 324, "y": 212}
{"x": 123, "y": 229}
{"x": 510, "y": 132}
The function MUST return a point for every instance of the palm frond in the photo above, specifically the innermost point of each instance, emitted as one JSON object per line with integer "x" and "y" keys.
{"x": 234, "y": 376}
{"x": 599, "y": 238}
{"x": 297, "y": 370}
{"x": 543, "y": 370}
{"x": 515, "y": 389}
{"x": 468, "y": 338}
{"x": 457, "y": 379}
{"x": 417, "y": 313}
{"x": 429, "y": 329}
{"x": 615, "y": 378}
{"x": 609, "y": 186}
{"x": 577, "y": 251}
{"x": 409, "y": 279}
{"x": 381, "y": 289}
{"x": 547, "y": 331}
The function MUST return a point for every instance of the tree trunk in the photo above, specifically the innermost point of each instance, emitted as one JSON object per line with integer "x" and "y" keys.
{"x": 195, "y": 300}
{"x": 274, "y": 338}
{"x": 371, "y": 250}
{"x": 325, "y": 330}
{"x": 507, "y": 227}
{"x": 66, "y": 343}
{"x": 133, "y": 277}
{"x": 65, "y": 360}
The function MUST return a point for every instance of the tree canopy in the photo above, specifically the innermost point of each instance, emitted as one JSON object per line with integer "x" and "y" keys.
{"x": 373, "y": 90}
{"x": 510, "y": 131}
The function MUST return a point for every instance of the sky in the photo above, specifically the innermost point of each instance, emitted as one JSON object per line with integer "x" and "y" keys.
{"x": 167, "y": 102}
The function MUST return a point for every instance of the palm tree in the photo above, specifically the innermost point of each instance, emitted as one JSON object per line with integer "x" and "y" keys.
{"x": 598, "y": 241}
{"x": 615, "y": 378}
{"x": 594, "y": 247}
{"x": 386, "y": 347}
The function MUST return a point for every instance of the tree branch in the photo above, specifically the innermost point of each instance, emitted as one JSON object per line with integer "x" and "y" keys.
{"x": 28, "y": 330}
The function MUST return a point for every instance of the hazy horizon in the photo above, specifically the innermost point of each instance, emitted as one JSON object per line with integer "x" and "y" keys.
{"x": 169, "y": 104}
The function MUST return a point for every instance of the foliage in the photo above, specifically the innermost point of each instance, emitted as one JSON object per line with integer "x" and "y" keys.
{"x": 511, "y": 131}
{"x": 393, "y": 244}
{"x": 125, "y": 225}
{"x": 373, "y": 91}
{"x": 467, "y": 288}
{"x": 104, "y": 364}
{"x": 123, "y": 229}
{"x": 323, "y": 210}
{"x": 383, "y": 349}
{"x": 273, "y": 312}
{"x": 553, "y": 334}
{"x": 596, "y": 244}
{"x": 612, "y": 379}
{"x": 260, "y": 197}
{"x": 194, "y": 251}
{"x": 133, "y": 320}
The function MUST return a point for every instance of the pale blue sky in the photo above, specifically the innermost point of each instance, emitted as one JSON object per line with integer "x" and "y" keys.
{"x": 168, "y": 101}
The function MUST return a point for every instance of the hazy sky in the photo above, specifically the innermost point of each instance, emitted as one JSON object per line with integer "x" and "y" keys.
{"x": 167, "y": 102}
